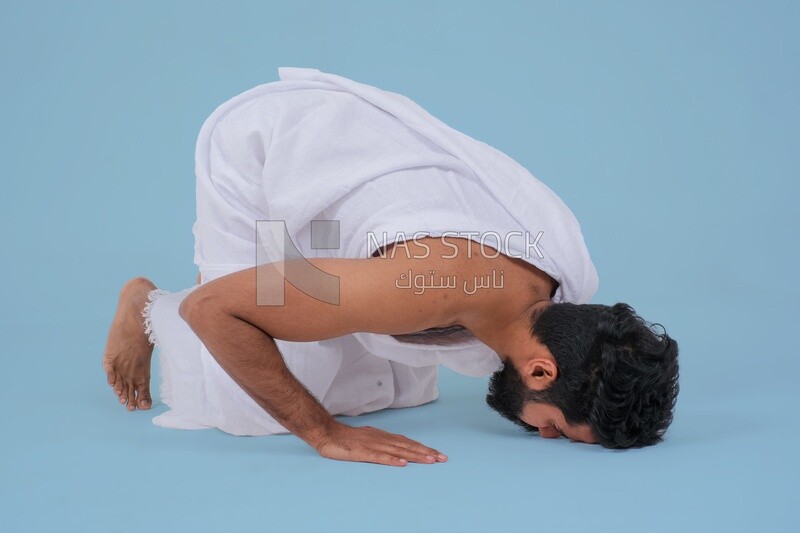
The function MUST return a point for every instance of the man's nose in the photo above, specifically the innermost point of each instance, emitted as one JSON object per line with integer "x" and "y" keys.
{"x": 549, "y": 433}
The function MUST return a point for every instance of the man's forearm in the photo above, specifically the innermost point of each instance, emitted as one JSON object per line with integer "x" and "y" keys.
{"x": 252, "y": 359}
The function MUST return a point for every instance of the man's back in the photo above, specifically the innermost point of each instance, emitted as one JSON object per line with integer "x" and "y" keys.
{"x": 415, "y": 285}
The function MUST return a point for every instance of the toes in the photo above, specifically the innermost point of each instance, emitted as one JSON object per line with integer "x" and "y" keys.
{"x": 121, "y": 389}
{"x": 109, "y": 369}
{"x": 143, "y": 400}
{"x": 131, "y": 397}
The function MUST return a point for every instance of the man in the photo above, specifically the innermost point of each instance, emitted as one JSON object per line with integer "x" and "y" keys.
{"x": 327, "y": 320}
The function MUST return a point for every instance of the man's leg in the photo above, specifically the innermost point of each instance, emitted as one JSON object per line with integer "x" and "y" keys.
{"x": 128, "y": 351}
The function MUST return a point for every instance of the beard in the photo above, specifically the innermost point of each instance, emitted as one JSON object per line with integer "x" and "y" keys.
{"x": 507, "y": 395}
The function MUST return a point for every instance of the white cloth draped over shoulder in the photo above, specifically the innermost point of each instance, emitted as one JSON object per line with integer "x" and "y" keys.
{"x": 316, "y": 146}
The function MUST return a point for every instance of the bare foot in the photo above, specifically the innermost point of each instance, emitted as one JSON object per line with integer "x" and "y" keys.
{"x": 127, "y": 356}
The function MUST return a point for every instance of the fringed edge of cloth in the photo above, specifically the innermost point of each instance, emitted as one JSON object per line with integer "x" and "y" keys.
{"x": 152, "y": 296}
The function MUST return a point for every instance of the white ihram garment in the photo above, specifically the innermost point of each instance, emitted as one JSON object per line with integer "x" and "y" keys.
{"x": 316, "y": 146}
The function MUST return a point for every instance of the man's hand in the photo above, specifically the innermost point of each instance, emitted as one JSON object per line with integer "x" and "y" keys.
{"x": 372, "y": 445}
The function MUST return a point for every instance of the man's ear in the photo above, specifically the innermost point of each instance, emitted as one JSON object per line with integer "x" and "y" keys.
{"x": 539, "y": 373}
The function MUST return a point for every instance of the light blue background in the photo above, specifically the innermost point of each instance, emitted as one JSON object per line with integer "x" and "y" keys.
{"x": 670, "y": 129}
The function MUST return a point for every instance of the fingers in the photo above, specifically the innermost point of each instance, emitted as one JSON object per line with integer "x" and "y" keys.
{"x": 396, "y": 455}
{"x": 404, "y": 449}
{"x": 384, "y": 458}
{"x": 421, "y": 449}
{"x": 410, "y": 455}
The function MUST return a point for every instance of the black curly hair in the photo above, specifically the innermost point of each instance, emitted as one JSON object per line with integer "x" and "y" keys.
{"x": 615, "y": 372}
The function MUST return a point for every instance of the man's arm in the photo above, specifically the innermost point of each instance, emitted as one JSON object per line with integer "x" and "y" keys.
{"x": 239, "y": 334}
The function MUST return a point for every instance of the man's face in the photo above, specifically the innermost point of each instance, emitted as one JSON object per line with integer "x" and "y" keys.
{"x": 506, "y": 396}
{"x": 552, "y": 424}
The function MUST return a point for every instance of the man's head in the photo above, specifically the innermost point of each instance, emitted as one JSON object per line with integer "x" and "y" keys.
{"x": 608, "y": 378}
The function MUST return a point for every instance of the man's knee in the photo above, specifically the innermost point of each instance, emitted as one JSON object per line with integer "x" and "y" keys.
{"x": 198, "y": 306}
{"x": 185, "y": 307}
